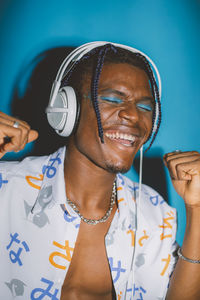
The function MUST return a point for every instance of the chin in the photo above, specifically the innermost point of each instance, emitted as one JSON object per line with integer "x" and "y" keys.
{"x": 118, "y": 163}
{"x": 115, "y": 168}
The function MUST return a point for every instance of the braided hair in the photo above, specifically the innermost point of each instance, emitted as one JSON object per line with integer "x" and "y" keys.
{"x": 93, "y": 62}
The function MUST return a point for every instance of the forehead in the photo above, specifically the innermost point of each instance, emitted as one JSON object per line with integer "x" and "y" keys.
{"x": 119, "y": 73}
{"x": 124, "y": 77}
{"x": 120, "y": 70}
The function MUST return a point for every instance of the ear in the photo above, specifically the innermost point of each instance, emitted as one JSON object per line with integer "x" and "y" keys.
{"x": 63, "y": 115}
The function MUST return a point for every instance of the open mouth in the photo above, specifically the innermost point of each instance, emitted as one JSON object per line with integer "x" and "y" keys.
{"x": 122, "y": 138}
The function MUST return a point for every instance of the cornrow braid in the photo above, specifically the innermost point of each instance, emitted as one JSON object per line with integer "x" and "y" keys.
{"x": 95, "y": 83}
{"x": 154, "y": 134}
{"x": 156, "y": 98}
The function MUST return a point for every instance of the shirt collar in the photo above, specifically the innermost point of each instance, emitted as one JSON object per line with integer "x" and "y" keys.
{"x": 53, "y": 180}
{"x": 127, "y": 194}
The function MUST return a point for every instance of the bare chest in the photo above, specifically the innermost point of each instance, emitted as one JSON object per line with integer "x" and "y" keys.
{"x": 89, "y": 274}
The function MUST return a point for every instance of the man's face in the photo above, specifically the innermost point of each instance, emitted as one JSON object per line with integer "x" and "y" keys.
{"x": 126, "y": 109}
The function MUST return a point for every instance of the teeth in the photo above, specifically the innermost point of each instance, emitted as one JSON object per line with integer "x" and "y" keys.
{"x": 122, "y": 136}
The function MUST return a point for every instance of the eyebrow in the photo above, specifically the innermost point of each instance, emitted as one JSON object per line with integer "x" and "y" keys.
{"x": 121, "y": 94}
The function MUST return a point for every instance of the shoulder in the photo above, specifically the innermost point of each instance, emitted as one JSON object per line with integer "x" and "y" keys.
{"x": 23, "y": 180}
{"x": 30, "y": 164}
{"x": 31, "y": 167}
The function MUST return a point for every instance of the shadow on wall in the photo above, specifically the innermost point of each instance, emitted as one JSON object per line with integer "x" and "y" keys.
{"x": 154, "y": 173}
{"x": 31, "y": 96}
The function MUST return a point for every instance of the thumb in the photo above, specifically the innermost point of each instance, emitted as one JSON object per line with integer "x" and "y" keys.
{"x": 32, "y": 136}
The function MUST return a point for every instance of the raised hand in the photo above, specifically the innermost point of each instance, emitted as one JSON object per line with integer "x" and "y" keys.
{"x": 14, "y": 134}
{"x": 184, "y": 169}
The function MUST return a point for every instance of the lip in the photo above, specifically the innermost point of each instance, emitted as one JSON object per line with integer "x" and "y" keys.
{"x": 122, "y": 136}
{"x": 122, "y": 128}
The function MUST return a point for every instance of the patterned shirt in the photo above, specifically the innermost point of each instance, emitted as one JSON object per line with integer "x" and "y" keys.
{"x": 38, "y": 231}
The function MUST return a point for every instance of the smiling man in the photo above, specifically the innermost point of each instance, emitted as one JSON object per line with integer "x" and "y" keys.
{"x": 72, "y": 226}
{"x": 126, "y": 104}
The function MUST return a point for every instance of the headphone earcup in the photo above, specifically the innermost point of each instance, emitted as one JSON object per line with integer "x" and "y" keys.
{"x": 62, "y": 115}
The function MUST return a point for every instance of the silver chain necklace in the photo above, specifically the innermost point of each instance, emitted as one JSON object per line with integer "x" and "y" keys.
{"x": 104, "y": 218}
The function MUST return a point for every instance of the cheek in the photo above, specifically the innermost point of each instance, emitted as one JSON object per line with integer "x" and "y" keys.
{"x": 87, "y": 121}
{"x": 108, "y": 114}
{"x": 148, "y": 123}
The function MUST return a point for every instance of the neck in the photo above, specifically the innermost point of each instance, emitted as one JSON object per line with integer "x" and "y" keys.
{"x": 87, "y": 185}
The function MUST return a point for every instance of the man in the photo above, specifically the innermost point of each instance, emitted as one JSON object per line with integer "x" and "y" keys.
{"x": 65, "y": 234}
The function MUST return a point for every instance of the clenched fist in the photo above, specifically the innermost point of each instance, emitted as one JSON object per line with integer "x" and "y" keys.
{"x": 14, "y": 138}
{"x": 184, "y": 169}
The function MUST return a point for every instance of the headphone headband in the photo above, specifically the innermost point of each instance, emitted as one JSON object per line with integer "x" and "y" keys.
{"x": 79, "y": 52}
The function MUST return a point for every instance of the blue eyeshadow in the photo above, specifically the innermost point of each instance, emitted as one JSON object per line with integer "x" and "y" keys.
{"x": 111, "y": 99}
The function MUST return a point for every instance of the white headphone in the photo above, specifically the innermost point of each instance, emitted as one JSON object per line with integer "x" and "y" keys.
{"x": 62, "y": 110}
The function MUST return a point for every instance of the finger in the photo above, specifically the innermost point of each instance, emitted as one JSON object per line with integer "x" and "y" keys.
{"x": 10, "y": 121}
{"x": 18, "y": 137}
{"x": 14, "y": 135}
{"x": 14, "y": 138}
{"x": 32, "y": 136}
{"x": 173, "y": 155}
{"x": 183, "y": 156}
{"x": 173, "y": 165}
{"x": 186, "y": 170}
{"x": 22, "y": 125}
{"x": 19, "y": 141}
{"x": 180, "y": 153}
{"x": 21, "y": 135}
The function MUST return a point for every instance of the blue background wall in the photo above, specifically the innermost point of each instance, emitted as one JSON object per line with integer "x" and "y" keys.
{"x": 167, "y": 30}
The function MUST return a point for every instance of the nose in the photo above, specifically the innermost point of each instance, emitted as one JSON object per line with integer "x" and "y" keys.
{"x": 129, "y": 112}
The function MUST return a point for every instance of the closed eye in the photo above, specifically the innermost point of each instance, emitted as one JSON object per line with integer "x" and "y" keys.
{"x": 111, "y": 99}
{"x": 145, "y": 107}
